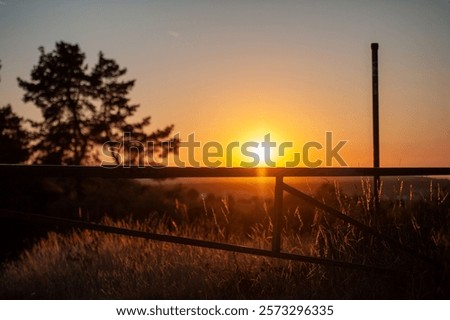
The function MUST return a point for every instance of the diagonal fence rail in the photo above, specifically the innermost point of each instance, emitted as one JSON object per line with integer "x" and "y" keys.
{"x": 81, "y": 172}
{"x": 187, "y": 241}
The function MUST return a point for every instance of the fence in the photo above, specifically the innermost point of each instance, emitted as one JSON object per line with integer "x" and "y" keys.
{"x": 24, "y": 171}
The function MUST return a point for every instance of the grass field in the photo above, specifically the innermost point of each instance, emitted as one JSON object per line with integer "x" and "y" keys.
{"x": 91, "y": 265}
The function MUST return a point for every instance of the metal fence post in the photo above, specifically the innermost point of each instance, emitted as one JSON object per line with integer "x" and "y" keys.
{"x": 376, "y": 125}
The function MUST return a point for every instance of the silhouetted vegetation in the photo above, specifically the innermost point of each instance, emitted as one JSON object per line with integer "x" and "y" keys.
{"x": 14, "y": 138}
{"x": 82, "y": 109}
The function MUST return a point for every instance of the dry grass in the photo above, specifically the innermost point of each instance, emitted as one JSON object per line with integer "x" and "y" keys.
{"x": 92, "y": 265}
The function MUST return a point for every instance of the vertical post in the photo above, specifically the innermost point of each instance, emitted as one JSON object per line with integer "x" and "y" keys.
{"x": 376, "y": 127}
{"x": 277, "y": 215}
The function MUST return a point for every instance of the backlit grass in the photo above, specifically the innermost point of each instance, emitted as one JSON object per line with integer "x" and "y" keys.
{"x": 94, "y": 265}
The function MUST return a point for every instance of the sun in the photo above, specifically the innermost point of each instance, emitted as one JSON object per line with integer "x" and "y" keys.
{"x": 259, "y": 148}
{"x": 259, "y": 145}
{"x": 257, "y": 153}
{"x": 261, "y": 152}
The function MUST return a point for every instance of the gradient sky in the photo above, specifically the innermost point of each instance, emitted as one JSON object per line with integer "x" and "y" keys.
{"x": 236, "y": 70}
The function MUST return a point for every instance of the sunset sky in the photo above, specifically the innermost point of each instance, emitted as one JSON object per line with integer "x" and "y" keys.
{"x": 237, "y": 70}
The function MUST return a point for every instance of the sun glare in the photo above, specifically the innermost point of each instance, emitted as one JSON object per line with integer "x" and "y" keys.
{"x": 260, "y": 148}
{"x": 257, "y": 152}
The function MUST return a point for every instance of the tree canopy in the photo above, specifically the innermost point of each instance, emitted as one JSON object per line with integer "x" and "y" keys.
{"x": 83, "y": 108}
{"x": 13, "y": 137}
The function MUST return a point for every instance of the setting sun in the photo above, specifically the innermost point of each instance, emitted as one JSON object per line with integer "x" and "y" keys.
{"x": 255, "y": 153}
{"x": 259, "y": 147}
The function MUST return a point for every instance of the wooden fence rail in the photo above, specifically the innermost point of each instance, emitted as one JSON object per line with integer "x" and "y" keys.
{"x": 188, "y": 241}
{"x": 173, "y": 172}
